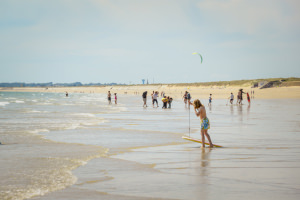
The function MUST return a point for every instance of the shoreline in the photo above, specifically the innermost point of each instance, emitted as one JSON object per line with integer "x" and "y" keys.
{"x": 202, "y": 92}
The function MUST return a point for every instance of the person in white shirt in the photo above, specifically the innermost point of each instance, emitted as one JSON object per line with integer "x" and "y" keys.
{"x": 155, "y": 95}
{"x": 231, "y": 98}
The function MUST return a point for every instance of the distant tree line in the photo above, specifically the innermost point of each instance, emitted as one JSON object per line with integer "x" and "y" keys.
{"x": 51, "y": 84}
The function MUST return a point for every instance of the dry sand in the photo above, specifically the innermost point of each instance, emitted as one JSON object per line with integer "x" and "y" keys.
{"x": 175, "y": 91}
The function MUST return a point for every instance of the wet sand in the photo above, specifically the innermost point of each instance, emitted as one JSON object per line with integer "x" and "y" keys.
{"x": 149, "y": 160}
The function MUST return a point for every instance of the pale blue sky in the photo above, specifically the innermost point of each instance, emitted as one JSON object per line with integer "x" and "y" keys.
{"x": 124, "y": 41}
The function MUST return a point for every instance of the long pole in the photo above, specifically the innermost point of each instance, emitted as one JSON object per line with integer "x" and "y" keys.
{"x": 189, "y": 121}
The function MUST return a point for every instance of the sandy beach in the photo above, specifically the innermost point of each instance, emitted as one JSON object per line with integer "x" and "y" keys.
{"x": 218, "y": 92}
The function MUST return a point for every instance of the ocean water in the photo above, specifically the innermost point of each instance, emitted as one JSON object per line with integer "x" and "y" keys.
{"x": 80, "y": 147}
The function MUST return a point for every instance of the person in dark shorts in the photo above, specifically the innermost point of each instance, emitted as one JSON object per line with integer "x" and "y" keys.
{"x": 209, "y": 100}
{"x": 185, "y": 97}
{"x": 170, "y": 99}
{"x": 109, "y": 97}
{"x": 189, "y": 97}
{"x": 231, "y": 98}
{"x": 154, "y": 97}
{"x": 145, "y": 99}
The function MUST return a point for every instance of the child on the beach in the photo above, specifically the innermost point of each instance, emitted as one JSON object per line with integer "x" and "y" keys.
{"x": 115, "y": 98}
{"x": 209, "y": 100}
{"x": 205, "y": 125}
{"x": 231, "y": 98}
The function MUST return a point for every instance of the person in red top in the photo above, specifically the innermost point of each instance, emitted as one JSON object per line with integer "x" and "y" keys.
{"x": 116, "y": 98}
{"x": 248, "y": 97}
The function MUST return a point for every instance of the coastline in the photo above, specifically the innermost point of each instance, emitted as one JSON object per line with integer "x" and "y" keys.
{"x": 202, "y": 92}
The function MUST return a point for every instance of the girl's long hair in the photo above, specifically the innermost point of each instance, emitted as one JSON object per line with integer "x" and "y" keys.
{"x": 197, "y": 104}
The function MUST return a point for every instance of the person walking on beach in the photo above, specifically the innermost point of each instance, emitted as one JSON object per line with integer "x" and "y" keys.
{"x": 115, "y": 98}
{"x": 109, "y": 97}
{"x": 205, "y": 125}
{"x": 145, "y": 99}
{"x": 67, "y": 94}
{"x": 155, "y": 95}
{"x": 209, "y": 100}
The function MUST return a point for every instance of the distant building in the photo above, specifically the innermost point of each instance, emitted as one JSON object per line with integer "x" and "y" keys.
{"x": 143, "y": 80}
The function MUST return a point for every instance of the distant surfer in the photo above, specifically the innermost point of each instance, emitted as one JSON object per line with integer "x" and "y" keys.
{"x": 109, "y": 97}
{"x": 205, "y": 125}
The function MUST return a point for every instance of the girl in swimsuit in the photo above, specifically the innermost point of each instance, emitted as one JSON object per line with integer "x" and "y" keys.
{"x": 205, "y": 125}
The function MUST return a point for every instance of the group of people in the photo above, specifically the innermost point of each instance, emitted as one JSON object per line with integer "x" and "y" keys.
{"x": 109, "y": 97}
{"x": 199, "y": 108}
{"x": 239, "y": 99}
{"x": 167, "y": 101}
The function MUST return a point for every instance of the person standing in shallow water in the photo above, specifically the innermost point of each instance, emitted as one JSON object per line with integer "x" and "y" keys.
{"x": 248, "y": 98}
{"x": 205, "y": 125}
{"x": 116, "y": 98}
{"x": 145, "y": 99}
{"x": 109, "y": 97}
{"x": 231, "y": 98}
{"x": 209, "y": 100}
